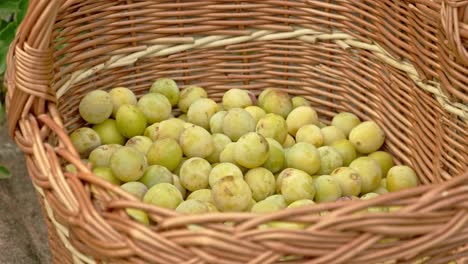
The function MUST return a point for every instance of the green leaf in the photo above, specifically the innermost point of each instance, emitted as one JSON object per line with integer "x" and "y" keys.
{"x": 3, "y": 55}
{"x": 22, "y": 8}
{"x": 3, "y": 24}
{"x": 5, "y": 16}
{"x": 9, "y": 5}
{"x": 7, "y": 34}
{"x": 7, "y": 8}
{"x": 4, "y": 173}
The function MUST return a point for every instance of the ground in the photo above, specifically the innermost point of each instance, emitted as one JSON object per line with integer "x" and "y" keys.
{"x": 23, "y": 233}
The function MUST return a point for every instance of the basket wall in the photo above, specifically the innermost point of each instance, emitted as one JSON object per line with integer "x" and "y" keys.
{"x": 401, "y": 63}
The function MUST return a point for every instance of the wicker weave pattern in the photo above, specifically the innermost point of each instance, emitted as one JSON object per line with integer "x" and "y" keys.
{"x": 402, "y": 63}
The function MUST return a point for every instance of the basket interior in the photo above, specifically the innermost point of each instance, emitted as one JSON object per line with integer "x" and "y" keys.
{"x": 419, "y": 132}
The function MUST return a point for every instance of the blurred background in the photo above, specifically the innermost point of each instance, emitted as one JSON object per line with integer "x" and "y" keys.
{"x": 23, "y": 233}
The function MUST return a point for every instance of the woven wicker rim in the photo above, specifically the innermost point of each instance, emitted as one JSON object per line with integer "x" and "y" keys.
{"x": 344, "y": 40}
{"x": 75, "y": 217}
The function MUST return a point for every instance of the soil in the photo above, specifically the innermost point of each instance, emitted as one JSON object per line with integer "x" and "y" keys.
{"x": 23, "y": 232}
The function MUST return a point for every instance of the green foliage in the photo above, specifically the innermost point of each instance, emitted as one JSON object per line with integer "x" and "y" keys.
{"x": 4, "y": 173}
{"x": 11, "y": 14}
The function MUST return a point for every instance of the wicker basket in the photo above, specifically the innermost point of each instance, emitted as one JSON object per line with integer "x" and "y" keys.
{"x": 402, "y": 63}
